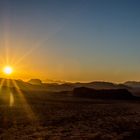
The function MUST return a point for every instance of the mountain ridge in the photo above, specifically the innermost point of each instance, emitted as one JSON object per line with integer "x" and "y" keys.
{"x": 38, "y": 85}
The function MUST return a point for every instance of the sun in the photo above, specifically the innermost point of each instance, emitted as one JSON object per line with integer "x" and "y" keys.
{"x": 8, "y": 70}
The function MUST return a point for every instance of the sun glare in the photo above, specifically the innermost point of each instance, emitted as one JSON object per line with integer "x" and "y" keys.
{"x": 8, "y": 70}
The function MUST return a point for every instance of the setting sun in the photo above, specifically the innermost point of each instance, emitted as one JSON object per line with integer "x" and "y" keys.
{"x": 8, "y": 70}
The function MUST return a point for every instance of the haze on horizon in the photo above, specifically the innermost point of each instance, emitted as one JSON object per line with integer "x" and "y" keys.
{"x": 71, "y": 40}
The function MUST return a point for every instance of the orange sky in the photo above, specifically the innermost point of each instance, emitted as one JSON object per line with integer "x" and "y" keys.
{"x": 70, "y": 41}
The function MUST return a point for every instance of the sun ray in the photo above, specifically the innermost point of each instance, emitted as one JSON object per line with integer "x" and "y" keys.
{"x": 36, "y": 46}
{"x": 11, "y": 101}
{"x": 1, "y": 83}
{"x": 30, "y": 114}
{"x": 6, "y": 40}
{"x": 10, "y": 94}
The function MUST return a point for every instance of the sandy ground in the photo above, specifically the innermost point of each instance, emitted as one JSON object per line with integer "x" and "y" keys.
{"x": 29, "y": 116}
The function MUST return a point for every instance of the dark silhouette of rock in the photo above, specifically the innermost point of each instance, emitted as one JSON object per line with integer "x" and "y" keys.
{"x": 103, "y": 94}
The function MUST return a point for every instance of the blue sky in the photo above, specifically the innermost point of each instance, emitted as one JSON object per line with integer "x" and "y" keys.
{"x": 73, "y": 40}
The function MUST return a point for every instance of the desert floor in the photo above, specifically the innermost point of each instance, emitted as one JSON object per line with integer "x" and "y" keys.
{"x": 27, "y": 116}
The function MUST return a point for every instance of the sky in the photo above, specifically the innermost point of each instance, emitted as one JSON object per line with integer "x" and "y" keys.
{"x": 71, "y": 40}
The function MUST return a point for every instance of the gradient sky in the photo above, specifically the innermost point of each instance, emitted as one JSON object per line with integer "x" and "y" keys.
{"x": 71, "y": 40}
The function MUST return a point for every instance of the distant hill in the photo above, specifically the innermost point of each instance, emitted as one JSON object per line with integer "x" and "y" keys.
{"x": 135, "y": 87}
{"x": 38, "y": 85}
{"x": 35, "y": 82}
{"x": 102, "y": 85}
{"x": 20, "y": 84}
{"x": 133, "y": 84}
{"x": 95, "y": 85}
{"x": 103, "y": 94}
